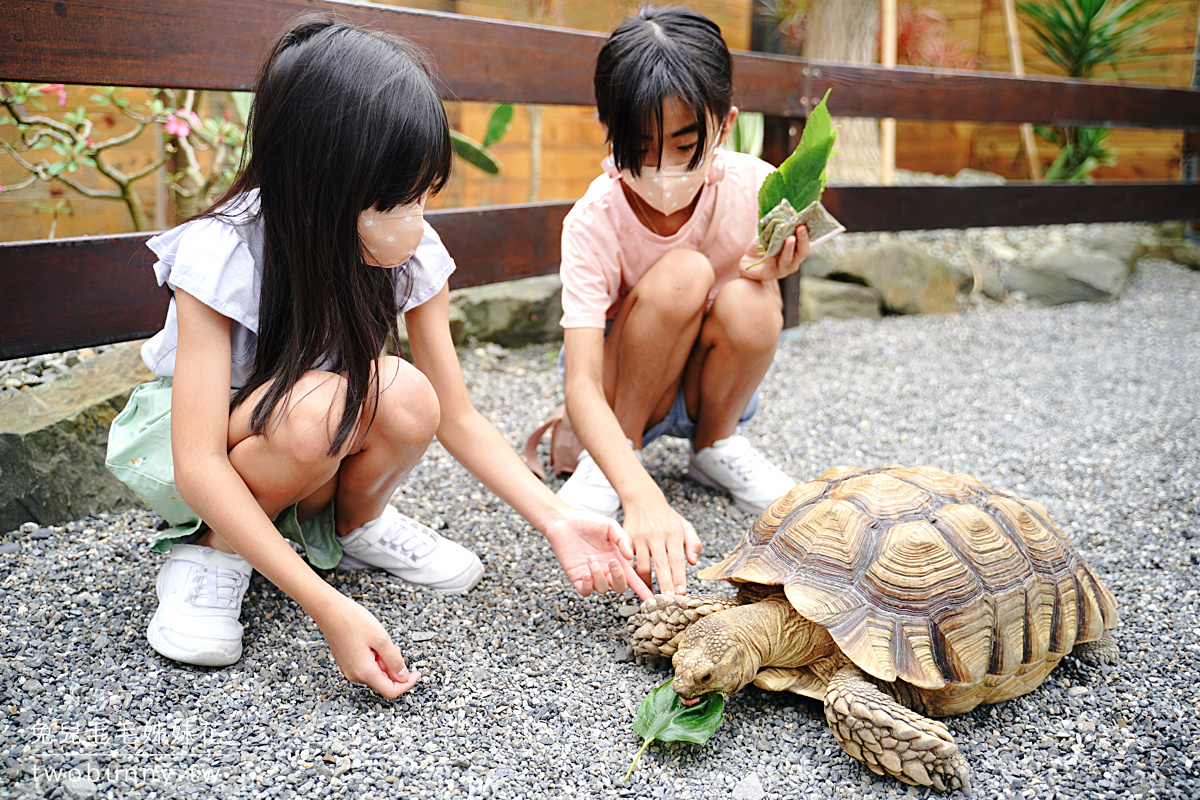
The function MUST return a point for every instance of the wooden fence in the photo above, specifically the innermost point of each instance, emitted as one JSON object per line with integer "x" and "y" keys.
{"x": 94, "y": 290}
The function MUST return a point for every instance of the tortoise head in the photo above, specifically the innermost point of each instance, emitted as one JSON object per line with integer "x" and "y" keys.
{"x": 712, "y": 658}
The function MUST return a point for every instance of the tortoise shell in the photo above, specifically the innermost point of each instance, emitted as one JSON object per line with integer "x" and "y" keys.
{"x": 932, "y": 578}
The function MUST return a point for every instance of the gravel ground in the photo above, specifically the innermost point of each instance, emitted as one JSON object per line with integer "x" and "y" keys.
{"x": 1089, "y": 409}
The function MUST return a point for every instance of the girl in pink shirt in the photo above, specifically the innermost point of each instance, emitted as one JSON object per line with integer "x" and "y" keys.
{"x": 668, "y": 329}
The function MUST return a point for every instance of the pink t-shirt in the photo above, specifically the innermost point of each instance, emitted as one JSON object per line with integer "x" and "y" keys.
{"x": 606, "y": 249}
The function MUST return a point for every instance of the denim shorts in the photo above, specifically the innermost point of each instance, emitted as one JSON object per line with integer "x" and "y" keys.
{"x": 676, "y": 423}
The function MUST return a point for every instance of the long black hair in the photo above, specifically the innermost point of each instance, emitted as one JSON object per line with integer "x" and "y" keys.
{"x": 659, "y": 54}
{"x": 344, "y": 119}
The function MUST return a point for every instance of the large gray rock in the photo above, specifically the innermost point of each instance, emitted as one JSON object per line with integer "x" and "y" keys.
{"x": 1070, "y": 273}
{"x": 53, "y": 439}
{"x": 1186, "y": 252}
{"x": 907, "y": 279}
{"x": 820, "y": 298}
{"x": 514, "y": 313}
{"x": 1121, "y": 243}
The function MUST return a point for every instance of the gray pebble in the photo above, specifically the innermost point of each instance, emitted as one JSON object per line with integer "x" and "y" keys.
{"x": 79, "y": 787}
{"x": 749, "y": 788}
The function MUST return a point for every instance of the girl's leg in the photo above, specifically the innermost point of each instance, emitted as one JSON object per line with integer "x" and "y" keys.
{"x": 735, "y": 349}
{"x": 648, "y": 345}
{"x": 736, "y": 345}
{"x": 291, "y": 462}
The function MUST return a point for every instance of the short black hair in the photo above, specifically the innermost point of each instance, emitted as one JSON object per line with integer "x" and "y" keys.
{"x": 661, "y": 53}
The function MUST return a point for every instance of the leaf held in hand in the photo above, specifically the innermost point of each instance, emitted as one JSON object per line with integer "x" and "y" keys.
{"x": 663, "y": 716}
{"x": 797, "y": 184}
{"x": 801, "y": 176}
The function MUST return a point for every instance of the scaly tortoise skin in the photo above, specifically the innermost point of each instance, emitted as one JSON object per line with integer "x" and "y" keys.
{"x": 893, "y": 595}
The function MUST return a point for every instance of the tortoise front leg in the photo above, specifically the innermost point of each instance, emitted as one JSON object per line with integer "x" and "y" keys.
{"x": 891, "y": 739}
{"x": 654, "y": 630}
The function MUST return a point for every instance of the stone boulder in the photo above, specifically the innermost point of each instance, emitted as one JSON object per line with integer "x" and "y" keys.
{"x": 53, "y": 440}
{"x": 906, "y": 278}
{"x": 820, "y": 298}
{"x": 514, "y": 313}
{"x": 1121, "y": 243}
{"x": 1186, "y": 252}
{"x": 1070, "y": 273}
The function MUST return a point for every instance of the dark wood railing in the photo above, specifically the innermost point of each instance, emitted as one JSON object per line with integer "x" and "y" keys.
{"x": 94, "y": 290}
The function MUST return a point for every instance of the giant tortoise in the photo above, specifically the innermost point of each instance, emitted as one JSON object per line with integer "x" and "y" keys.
{"x": 893, "y": 595}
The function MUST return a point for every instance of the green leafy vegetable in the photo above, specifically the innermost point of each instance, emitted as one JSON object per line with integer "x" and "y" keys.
{"x": 801, "y": 177}
{"x": 663, "y": 716}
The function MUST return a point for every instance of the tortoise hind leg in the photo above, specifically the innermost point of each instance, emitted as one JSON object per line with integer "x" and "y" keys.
{"x": 1102, "y": 651}
{"x": 891, "y": 739}
{"x": 654, "y": 629}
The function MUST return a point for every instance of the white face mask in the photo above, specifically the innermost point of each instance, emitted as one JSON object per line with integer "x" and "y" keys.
{"x": 391, "y": 237}
{"x": 669, "y": 189}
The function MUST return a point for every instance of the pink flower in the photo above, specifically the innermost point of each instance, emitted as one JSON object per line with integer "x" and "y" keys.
{"x": 60, "y": 89}
{"x": 176, "y": 126}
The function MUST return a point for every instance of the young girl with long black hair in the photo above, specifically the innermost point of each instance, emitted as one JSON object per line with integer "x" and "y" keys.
{"x": 284, "y": 294}
{"x": 671, "y": 316}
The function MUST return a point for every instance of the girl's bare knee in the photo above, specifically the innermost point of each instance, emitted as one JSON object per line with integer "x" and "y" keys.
{"x": 747, "y": 315}
{"x": 307, "y": 428}
{"x": 678, "y": 284}
{"x": 408, "y": 407}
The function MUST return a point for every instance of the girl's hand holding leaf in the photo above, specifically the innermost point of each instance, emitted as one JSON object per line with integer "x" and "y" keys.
{"x": 663, "y": 716}
{"x": 794, "y": 248}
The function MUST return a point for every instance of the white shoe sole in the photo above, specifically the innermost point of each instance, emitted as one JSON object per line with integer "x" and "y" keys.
{"x": 462, "y": 583}
{"x": 203, "y": 658}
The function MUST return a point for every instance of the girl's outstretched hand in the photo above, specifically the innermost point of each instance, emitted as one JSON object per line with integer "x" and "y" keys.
{"x": 363, "y": 650}
{"x": 795, "y": 249}
{"x": 595, "y": 553}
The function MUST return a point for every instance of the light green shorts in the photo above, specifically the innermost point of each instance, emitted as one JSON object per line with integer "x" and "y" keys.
{"x": 139, "y": 454}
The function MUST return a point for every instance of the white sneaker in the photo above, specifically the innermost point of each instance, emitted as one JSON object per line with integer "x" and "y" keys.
{"x": 200, "y": 591}
{"x": 412, "y": 552}
{"x": 587, "y": 488}
{"x": 735, "y": 465}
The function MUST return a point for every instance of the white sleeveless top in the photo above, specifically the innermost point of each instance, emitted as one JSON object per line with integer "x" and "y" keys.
{"x": 219, "y": 262}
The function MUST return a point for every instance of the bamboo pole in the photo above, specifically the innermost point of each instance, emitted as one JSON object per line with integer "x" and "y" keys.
{"x": 1018, "y": 67}
{"x": 887, "y": 126}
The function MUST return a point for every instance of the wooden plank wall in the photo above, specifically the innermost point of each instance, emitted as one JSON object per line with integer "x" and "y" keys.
{"x": 947, "y": 147}
{"x": 572, "y": 142}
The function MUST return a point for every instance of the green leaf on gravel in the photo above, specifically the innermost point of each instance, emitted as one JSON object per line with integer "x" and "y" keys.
{"x": 663, "y": 716}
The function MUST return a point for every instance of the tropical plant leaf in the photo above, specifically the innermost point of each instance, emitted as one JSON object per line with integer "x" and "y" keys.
{"x": 801, "y": 176}
{"x": 663, "y": 716}
{"x": 474, "y": 153}
{"x": 498, "y": 124}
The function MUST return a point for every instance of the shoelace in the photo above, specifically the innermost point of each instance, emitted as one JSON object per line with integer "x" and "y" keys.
{"x": 412, "y": 539}
{"x": 744, "y": 462}
{"x": 215, "y": 587}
